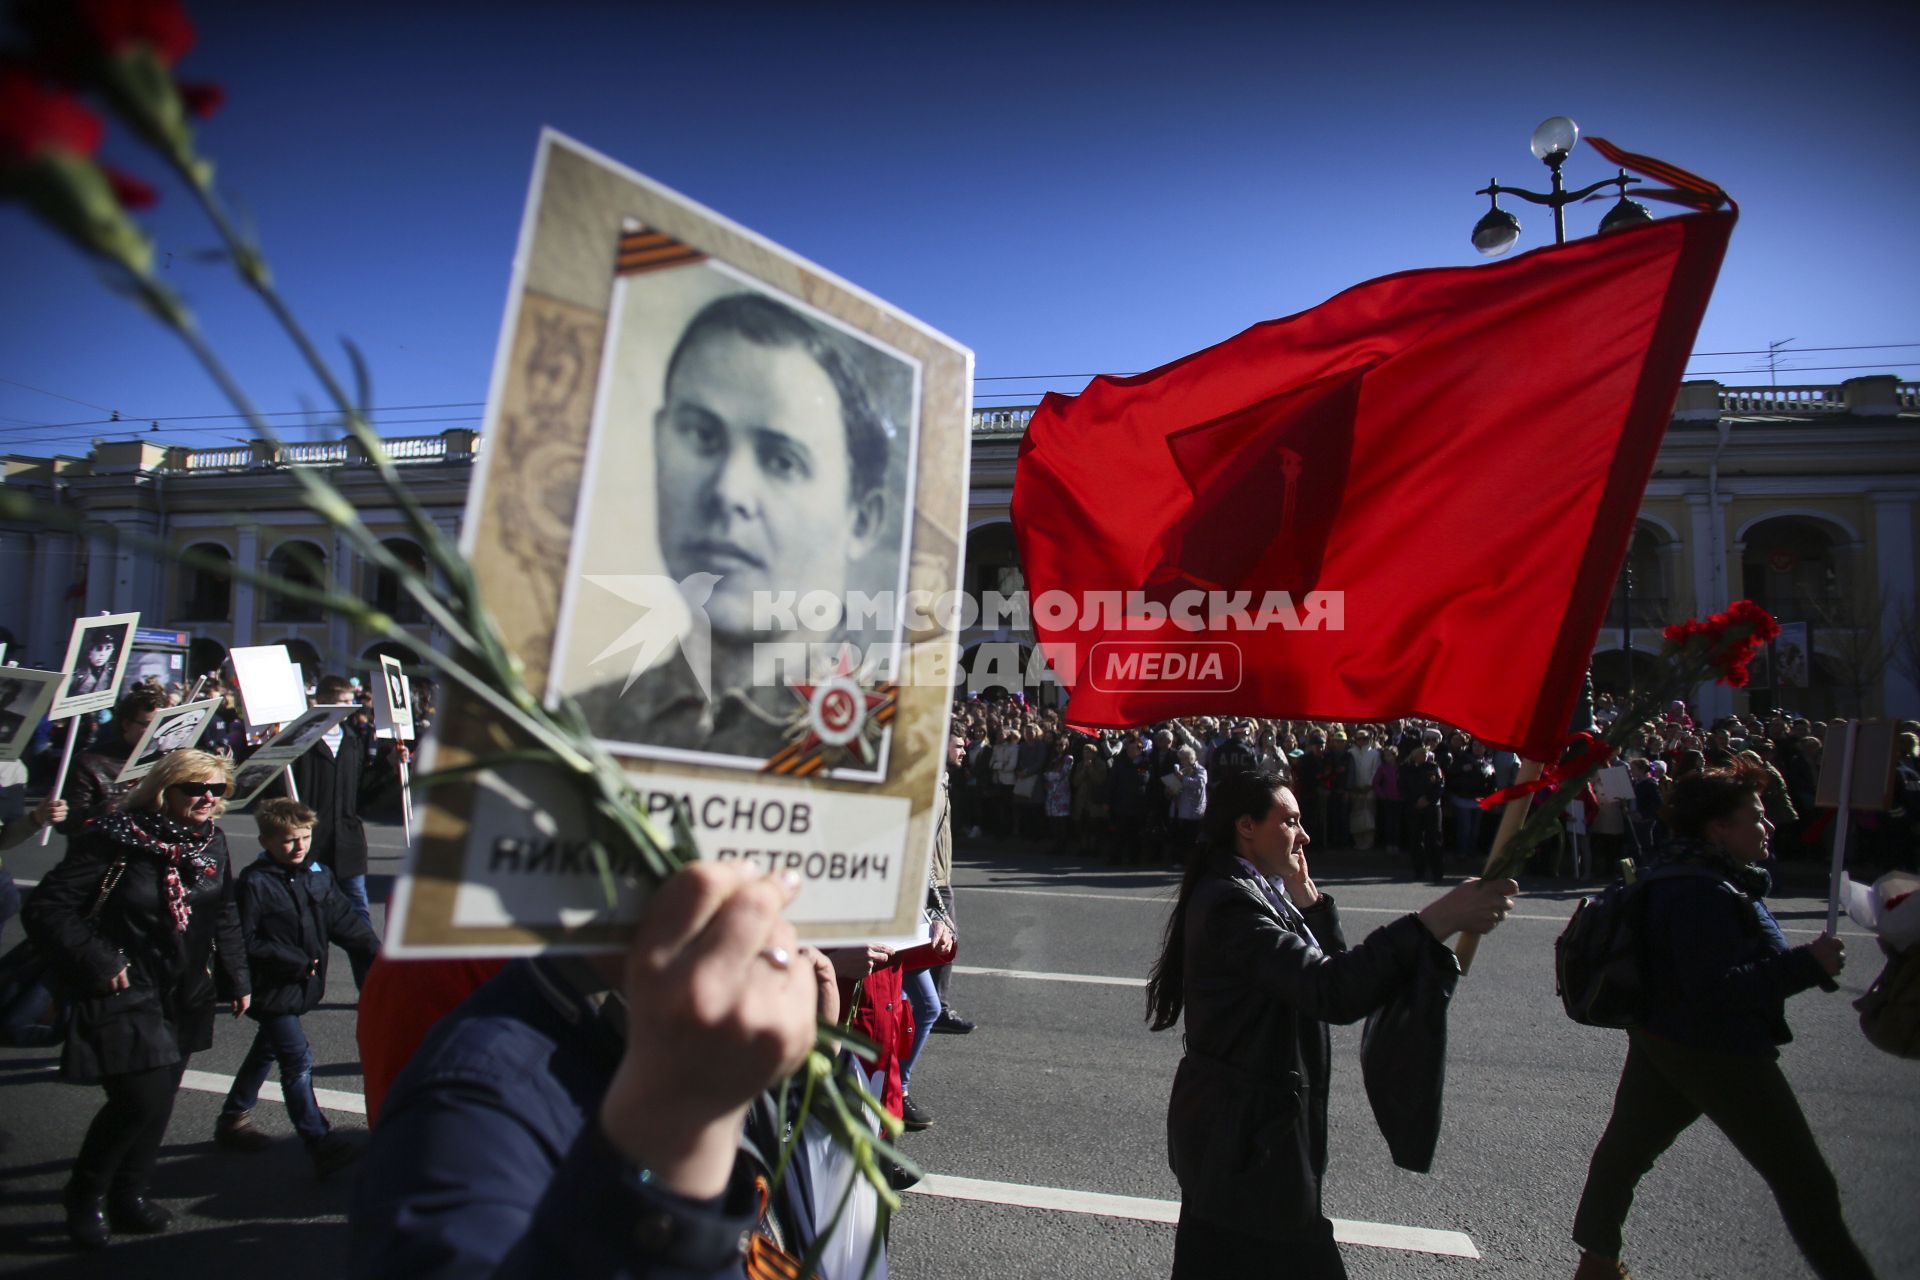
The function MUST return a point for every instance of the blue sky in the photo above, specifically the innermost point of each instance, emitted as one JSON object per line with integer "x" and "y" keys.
{"x": 1068, "y": 190}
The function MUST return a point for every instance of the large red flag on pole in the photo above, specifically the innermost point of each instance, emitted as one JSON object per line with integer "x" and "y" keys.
{"x": 1440, "y": 470}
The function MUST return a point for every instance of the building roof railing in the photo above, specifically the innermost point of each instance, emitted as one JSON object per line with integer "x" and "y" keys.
{"x": 1879, "y": 396}
{"x": 448, "y": 446}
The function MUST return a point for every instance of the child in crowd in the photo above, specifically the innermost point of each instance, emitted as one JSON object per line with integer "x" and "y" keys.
{"x": 290, "y": 910}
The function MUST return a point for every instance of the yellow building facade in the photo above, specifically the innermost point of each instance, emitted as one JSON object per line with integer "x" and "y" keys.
{"x": 1802, "y": 498}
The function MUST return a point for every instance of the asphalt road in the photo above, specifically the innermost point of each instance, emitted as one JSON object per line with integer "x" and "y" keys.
{"x": 1063, "y": 1088}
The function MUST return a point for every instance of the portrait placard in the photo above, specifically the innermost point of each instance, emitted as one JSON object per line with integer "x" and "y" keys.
{"x": 392, "y": 701}
{"x": 722, "y": 490}
{"x": 97, "y": 653}
{"x": 271, "y": 688}
{"x": 286, "y": 746}
{"x": 172, "y": 729}
{"x": 25, "y": 696}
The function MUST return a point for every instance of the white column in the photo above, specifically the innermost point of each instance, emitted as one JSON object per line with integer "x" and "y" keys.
{"x": 1893, "y": 559}
{"x": 1711, "y": 700}
{"x": 16, "y": 566}
{"x": 139, "y": 576}
{"x": 102, "y": 567}
{"x": 339, "y": 629}
{"x": 246, "y": 557}
{"x": 55, "y": 567}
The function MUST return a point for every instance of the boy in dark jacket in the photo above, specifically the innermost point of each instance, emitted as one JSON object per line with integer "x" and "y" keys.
{"x": 290, "y": 910}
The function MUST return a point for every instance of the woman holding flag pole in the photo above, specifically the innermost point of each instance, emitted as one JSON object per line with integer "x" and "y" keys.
{"x": 1255, "y": 959}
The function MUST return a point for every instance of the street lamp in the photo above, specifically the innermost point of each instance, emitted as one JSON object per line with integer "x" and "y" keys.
{"x": 1498, "y": 230}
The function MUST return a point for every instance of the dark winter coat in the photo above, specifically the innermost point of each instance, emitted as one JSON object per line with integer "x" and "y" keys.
{"x": 1725, "y": 969}
{"x": 175, "y": 978}
{"x": 91, "y": 789}
{"x": 330, "y": 785}
{"x": 288, "y": 916}
{"x": 1247, "y": 1123}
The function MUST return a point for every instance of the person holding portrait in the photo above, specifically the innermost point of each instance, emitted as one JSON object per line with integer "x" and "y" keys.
{"x": 129, "y": 921}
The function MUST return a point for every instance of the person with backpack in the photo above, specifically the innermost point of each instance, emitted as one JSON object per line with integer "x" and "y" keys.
{"x": 1717, "y": 973}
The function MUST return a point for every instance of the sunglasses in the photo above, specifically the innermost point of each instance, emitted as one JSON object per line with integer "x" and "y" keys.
{"x": 198, "y": 789}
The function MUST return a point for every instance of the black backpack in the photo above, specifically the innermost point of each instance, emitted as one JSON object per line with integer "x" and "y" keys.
{"x": 1599, "y": 960}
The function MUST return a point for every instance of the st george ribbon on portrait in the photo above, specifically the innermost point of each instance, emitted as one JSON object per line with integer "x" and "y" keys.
{"x": 748, "y": 456}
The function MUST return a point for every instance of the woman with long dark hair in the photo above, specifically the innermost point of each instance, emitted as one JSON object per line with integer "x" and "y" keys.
{"x": 1720, "y": 973}
{"x": 1255, "y": 960}
{"x": 128, "y": 920}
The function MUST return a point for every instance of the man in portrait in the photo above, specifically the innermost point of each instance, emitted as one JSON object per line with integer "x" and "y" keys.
{"x": 99, "y": 654}
{"x": 770, "y": 478}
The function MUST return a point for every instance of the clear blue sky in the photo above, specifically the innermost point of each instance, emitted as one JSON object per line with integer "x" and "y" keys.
{"x": 1067, "y": 191}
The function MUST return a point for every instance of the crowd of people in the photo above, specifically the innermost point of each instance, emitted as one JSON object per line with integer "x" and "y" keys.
{"x": 1407, "y": 786}
{"x": 520, "y": 1109}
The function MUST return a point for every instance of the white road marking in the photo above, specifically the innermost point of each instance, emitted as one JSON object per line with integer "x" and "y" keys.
{"x": 1379, "y": 1235}
{"x": 330, "y": 1099}
{"x": 1095, "y": 979}
{"x": 1344, "y": 910}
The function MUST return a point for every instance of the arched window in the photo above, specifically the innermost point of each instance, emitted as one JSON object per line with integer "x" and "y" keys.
{"x": 384, "y": 591}
{"x": 204, "y": 657}
{"x": 302, "y": 564}
{"x": 206, "y": 593}
{"x": 1643, "y": 579}
{"x": 1792, "y": 568}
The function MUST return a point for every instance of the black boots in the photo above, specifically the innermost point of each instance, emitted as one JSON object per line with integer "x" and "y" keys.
{"x": 132, "y": 1211}
{"x": 86, "y": 1217}
{"x": 90, "y": 1212}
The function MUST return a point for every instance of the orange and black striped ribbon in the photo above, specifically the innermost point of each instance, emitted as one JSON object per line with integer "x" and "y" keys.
{"x": 1689, "y": 189}
{"x": 791, "y": 761}
{"x": 649, "y": 250}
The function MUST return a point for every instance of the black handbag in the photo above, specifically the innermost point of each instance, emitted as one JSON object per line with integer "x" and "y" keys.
{"x": 25, "y": 973}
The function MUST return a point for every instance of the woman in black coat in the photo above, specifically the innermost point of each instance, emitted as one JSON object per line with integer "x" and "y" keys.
{"x": 1255, "y": 958}
{"x": 144, "y": 972}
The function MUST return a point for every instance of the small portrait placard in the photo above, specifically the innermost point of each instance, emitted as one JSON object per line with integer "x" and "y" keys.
{"x": 172, "y": 729}
{"x": 293, "y": 741}
{"x": 97, "y": 653}
{"x": 25, "y": 696}
{"x": 272, "y": 690}
{"x": 392, "y": 701}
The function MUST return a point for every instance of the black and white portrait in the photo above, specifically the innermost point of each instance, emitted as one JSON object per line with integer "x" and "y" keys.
{"x": 747, "y": 481}
{"x": 25, "y": 696}
{"x": 393, "y": 700}
{"x": 97, "y": 654}
{"x": 172, "y": 729}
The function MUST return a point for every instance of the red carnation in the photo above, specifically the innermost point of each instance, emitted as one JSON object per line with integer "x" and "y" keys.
{"x": 36, "y": 119}
{"x": 118, "y": 25}
{"x": 129, "y": 190}
{"x": 1729, "y": 656}
{"x": 202, "y": 100}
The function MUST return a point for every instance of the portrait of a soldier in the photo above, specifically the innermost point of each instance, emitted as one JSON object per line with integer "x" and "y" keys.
{"x": 770, "y": 467}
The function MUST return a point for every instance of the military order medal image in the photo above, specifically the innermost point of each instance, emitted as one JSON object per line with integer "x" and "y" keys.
{"x": 722, "y": 492}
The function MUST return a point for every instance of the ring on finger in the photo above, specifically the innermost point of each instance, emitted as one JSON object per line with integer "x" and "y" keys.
{"x": 779, "y": 957}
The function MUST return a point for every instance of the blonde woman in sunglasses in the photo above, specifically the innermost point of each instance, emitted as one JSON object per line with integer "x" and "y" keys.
{"x": 128, "y": 923}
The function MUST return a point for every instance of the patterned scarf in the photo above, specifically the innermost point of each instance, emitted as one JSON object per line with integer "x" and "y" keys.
{"x": 166, "y": 839}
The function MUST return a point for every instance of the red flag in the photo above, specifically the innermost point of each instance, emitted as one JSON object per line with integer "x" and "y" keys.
{"x": 1441, "y": 469}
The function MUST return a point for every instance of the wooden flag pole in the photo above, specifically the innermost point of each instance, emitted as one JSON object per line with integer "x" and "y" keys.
{"x": 293, "y": 792}
{"x": 1842, "y": 819}
{"x": 406, "y": 797}
{"x": 60, "y": 778}
{"x": 1511, "y": 817}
